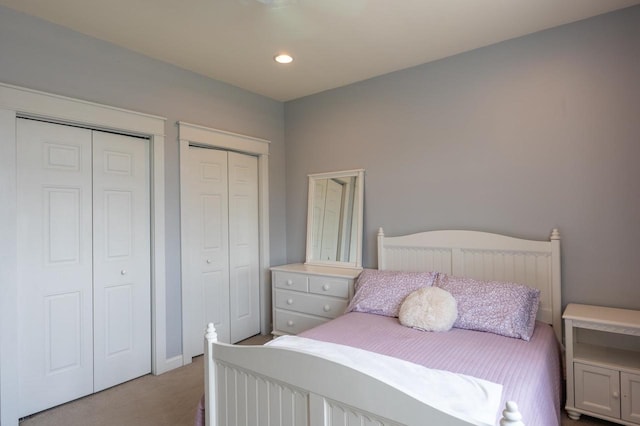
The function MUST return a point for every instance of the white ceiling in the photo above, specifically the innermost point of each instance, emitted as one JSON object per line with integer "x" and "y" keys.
{"x": 334, "y": 42}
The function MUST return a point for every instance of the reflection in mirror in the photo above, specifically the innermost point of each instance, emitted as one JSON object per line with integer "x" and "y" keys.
{"x": 334, "y": 225}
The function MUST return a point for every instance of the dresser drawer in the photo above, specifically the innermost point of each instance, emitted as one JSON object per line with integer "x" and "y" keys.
{"x": 294, "y": 323}
{"x": 328, "y": 307}
{"x": 304, "y": 296}
{"x": 290, "y": 281}
{"x": 329, "y": 286}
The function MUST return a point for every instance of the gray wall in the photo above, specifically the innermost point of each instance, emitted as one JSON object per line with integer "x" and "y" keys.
{"x": 515, "y": 138}
{"x": 43, "y": 56}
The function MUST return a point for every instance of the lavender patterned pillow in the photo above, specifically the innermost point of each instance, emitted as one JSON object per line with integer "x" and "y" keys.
{"x": 382, "y": 292}
{"x": 501, "y": 308}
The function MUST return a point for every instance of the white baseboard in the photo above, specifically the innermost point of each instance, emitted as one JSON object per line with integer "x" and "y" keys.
{"x": 170, "y": 364}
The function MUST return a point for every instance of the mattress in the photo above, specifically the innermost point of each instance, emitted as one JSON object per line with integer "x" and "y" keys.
{"x": 530, "y": 372}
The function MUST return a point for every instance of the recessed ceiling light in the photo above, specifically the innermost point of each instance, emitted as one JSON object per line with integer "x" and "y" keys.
{"x": 283, "y": 58}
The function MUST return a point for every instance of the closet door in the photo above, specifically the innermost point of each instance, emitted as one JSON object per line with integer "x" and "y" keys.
{"x": 244, "y": 249}
{"x": 55, "y": 328}
{"x": 220, "y": 246}
{"x": 121, "y": 253}
{"x": 206, "y": 247}
{"x": 83, "y": 262}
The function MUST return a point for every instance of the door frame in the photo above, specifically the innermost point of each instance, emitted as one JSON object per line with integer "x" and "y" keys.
{"x": 193, "y": 134}
{"x": 17, "y": 102}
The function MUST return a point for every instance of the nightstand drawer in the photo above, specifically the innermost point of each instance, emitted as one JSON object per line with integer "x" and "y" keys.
{"x": 329, "y": 286}
{"x": 328, "y": 307}
{"x": 294, "y": 323}
{"x": 291, "y": 281}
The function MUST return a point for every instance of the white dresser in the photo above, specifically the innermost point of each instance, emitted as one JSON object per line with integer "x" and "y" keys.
{"x": 307, "y": 295}
{"x": 603, "y": 363}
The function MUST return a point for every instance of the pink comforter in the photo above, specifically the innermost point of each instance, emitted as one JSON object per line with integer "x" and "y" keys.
{"x": 529, "y": 371}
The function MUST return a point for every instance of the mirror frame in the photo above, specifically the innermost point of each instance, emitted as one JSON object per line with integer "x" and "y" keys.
{"x": 359, "y": 202}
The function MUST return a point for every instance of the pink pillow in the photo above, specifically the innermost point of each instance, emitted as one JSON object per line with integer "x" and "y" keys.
{"x": 506, "y": 309}
{"x": 382, "y": 292}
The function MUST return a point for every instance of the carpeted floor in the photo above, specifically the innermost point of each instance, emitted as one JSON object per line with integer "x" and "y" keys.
{"x": 166, "y": 400}
{"x": 169, "y": 399}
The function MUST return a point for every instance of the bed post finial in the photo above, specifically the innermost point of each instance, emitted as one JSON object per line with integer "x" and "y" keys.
{"x": 380, "y": 232}
{"x": 511, "y": 415}
{"x": 555, "y": 234}
{"x": 211, "y": 334}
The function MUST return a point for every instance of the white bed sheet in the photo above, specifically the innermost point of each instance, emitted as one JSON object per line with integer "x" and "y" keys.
{"x": 468, "y": 398}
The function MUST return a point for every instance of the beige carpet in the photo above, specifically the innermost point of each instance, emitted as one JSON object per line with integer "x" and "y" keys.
{"x": 166, "y": 400}
{"x": 169, "y": 399}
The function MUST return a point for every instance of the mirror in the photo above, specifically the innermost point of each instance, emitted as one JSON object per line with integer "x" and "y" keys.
{"x": 334, "y": 219}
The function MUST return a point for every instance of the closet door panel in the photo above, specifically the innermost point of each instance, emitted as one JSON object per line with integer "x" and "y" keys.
{"x": 216, "y": 293}
{"x": 55, "y": 265}
{"x": 243, "y": 247}
{"x": 206, "y": 247}
{"x": 122, "y": 284}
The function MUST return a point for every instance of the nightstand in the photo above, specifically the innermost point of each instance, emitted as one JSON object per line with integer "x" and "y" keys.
{"x": 305, "y": 296}
{"x": 603, "y": 363}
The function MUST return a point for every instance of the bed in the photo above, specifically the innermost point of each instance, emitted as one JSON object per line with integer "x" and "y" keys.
{"x": 298, "y": 385}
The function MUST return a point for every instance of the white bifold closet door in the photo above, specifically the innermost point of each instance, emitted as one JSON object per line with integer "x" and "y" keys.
{"x": 220, "y": 247}
{"x": 121, "y": 259}
{"x": 83, "y": 262}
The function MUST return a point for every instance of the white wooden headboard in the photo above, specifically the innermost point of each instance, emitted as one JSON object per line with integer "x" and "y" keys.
{"x": 483, "y": 256}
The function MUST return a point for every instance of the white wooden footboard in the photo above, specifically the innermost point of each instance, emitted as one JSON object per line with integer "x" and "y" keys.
{"x": 261, "y": 385}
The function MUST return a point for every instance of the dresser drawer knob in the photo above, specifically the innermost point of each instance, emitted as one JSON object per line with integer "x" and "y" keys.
{"x": 290, "y": 323}
{"x": 326, "y": 287}
{"x": 289, "y": 301}
{"x": 289, "y": 282}
{"x": 326, "y": 308}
